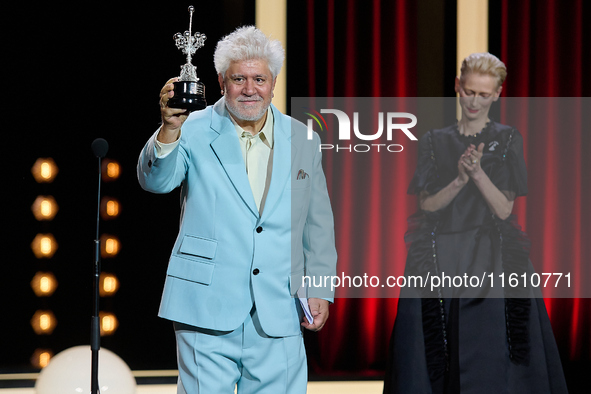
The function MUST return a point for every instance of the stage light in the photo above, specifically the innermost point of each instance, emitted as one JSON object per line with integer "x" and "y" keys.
{"x": 43, "y": 284}
{"x": 109, "y": 284}
{"x": 44, "y": 170}
{"x": 43, "y": 322}
{"x": 109, "y": 323}
{"x": 110, "y": 245}
{"x": 110, "y": 208}
{"x": 41, "y": 358}
{"x": 69, "y": 373}
{"x": 44, "y": 246}
{"x": 110, "y": 170}
{"x": 44, "y": 208}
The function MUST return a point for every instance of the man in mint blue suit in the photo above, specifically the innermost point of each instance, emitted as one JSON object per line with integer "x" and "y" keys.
{"x": 256, "y": 218}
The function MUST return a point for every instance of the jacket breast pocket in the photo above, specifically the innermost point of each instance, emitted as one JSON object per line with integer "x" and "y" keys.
{"x": 198, "y": 247}
{"x": 299, "y": 184}
{"x": 193, "y": 260}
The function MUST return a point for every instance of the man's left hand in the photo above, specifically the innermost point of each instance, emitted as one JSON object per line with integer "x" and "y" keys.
{"x": 319, "y": 309}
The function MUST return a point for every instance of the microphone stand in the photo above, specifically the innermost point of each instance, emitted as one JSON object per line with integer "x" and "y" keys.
{"x": 99, "y": 147}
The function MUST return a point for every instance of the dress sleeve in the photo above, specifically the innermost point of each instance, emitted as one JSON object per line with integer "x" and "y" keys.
{"x": 425, "y": 177}
{"x": 512, "y": 179}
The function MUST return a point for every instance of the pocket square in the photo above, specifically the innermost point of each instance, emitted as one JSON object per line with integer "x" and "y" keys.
{"x": 302, "y": 174}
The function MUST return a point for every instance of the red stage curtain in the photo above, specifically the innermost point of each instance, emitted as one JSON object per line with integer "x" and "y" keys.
{"x": 543, "y": 45}
{"x": 368, "y": 49}
{"x": 363, "y": 49}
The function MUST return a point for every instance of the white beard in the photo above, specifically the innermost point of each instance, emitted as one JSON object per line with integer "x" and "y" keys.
{"x": 238, "y": 113}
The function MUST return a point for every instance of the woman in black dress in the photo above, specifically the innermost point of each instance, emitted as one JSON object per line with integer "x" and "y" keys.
{"x": 492, "y": 340}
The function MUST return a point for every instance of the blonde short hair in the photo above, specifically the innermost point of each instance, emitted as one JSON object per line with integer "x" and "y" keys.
{"x": 484, "y": 63}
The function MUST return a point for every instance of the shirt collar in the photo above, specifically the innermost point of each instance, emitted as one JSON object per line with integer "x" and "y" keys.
{"x": 265, "y": 134}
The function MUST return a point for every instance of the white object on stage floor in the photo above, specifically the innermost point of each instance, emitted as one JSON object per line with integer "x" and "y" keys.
{"x": 69, "y": 372}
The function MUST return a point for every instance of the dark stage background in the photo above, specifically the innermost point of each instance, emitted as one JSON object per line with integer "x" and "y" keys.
{"x": 78, "y": 73}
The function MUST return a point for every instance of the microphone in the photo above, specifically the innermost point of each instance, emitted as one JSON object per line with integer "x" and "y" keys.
{"x": 100, "y": 147}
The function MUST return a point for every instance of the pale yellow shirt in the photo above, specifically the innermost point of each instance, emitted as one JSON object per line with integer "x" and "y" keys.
{"x": 257, "y": 154}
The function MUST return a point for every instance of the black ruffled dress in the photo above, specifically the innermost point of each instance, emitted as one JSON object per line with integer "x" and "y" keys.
{"x": 491, "y": 340}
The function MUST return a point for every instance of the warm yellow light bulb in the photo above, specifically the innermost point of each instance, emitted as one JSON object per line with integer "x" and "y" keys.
{"x": 44, "y": 208}
{"x": 44, "y": 359}
{"x": 110, "y": 245}
{"x": 44, "y": 170}
{"x": 110, "y": 208}
{"x": 109, "y": 323}
{"x": 43, "y": 322}
{"x": 109, "y": 284}
{"x": 41, "y": 358}
{"x": 44, "y": 246}
{"x": 44, "y": 284}
{"x": 111, "y": 170}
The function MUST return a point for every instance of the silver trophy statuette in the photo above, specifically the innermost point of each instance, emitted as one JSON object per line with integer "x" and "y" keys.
{"x": 189, "y": 92}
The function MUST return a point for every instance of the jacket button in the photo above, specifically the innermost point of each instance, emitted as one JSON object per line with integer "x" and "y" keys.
{"x": 259, "y": 229}
{"x": 255, "y": 271}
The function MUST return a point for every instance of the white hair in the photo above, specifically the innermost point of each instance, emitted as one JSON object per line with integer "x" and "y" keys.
{"x": 248, "y": 43}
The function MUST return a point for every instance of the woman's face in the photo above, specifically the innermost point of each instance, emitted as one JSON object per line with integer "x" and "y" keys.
{"x": 477, "y": 93}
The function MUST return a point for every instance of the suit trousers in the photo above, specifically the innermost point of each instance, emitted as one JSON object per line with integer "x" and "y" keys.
{"x": 212, "y": 361}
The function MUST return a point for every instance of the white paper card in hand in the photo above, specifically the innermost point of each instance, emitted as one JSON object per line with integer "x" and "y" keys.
{"x": 304, "y": 302}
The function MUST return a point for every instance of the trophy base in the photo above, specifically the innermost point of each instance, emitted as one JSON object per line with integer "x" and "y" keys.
{"x": 188, "y": 95}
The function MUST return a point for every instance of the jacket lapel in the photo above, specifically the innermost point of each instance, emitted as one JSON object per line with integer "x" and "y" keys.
{"x": 282, "y": 158}
{"x": 227, "y": 149}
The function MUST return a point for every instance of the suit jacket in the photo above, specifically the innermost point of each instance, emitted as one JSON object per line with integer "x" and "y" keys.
{"x": 226, "y": 256}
